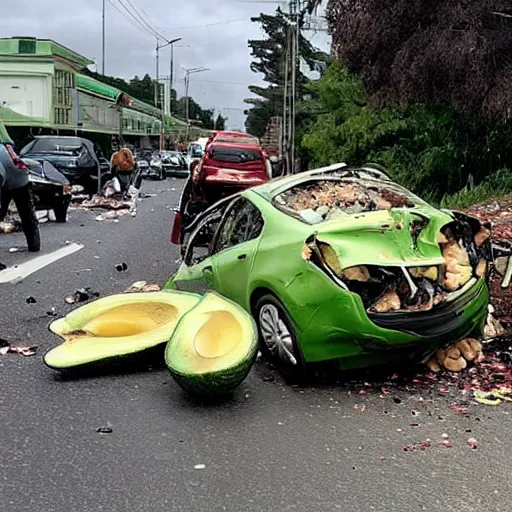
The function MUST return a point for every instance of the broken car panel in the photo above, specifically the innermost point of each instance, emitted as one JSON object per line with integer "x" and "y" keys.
{"x": 355, "y": 266}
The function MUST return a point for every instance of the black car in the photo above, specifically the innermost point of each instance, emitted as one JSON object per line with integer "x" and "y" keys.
{"x": 50, "y": 188}
{"x": 78, "y": 159}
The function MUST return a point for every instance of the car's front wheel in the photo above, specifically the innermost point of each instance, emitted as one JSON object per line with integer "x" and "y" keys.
{"x": 278, "y": 339}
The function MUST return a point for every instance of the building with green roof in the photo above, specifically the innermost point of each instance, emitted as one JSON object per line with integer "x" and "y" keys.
{"x": 43, "y": 85}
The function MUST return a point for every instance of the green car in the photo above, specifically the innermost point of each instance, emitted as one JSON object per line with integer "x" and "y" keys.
{"x": 341, "y": 264}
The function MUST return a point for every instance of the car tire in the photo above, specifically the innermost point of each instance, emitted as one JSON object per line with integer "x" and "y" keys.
{"x": 24, "y": 202}
{"x": 278, "y": 338}
{"x": 61, "y": 211}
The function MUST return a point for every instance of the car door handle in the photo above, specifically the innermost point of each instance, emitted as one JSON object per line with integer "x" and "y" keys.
{"x": 207, "y": 270}
{"x": 242, "y": 257}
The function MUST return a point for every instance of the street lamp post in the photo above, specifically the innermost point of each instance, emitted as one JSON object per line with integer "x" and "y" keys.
{"x": 157, "y": 85}
{"x": 189, "y": 72}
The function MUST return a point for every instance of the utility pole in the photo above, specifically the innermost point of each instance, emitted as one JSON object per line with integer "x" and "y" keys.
{"x": 188, "y": 72}
{"x": 103, "y": 38}
{"x": 157, "y": 86}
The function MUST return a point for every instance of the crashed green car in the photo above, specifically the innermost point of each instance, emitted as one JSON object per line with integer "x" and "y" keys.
{"x": 341, "y": 264}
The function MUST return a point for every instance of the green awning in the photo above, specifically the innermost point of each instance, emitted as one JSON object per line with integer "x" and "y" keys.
{"x": 4, "y": 136}
{"x": 12, "y": 118}
{"x": 92, "y": 86}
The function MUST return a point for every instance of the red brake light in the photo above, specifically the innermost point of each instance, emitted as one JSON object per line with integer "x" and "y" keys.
{"x": 176, "y": 229}
{"x": 15, "y": 158}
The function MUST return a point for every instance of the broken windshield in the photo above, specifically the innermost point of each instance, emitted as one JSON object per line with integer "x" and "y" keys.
{"x": 323, "y": 200}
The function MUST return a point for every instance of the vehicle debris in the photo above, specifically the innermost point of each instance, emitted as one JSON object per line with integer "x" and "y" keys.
{"x": 31, "y": 300}
{"x": 82, "y": 295}
{"x": 122, "y": 267}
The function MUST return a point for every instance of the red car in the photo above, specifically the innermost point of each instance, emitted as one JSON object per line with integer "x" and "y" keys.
{"x": 225, "y": 169}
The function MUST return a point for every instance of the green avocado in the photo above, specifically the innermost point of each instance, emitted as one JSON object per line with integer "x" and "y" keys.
{"x": 213, "y": 347}
{"x": 117, "y": 326}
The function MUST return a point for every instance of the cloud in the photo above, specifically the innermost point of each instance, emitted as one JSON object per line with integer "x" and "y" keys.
{"x": 213, "y": 37}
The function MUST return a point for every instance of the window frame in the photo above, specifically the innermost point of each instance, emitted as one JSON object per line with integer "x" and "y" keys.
{"x": 215, "y": 249}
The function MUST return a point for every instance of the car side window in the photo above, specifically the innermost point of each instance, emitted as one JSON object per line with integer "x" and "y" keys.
{"x": 243, "y": 222}
{"x": 200, "y": 241}
{"x": 199, "y": 245}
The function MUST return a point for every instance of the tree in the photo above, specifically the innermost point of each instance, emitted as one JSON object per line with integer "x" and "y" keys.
{"x": 220, "y": 122}
{"x": 422, "y": 144}
{"x": 428, "y": 50}
{"x": 269, "y": 56}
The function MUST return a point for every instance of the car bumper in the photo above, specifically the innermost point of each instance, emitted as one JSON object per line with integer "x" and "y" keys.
{"x": 357, "y": 339}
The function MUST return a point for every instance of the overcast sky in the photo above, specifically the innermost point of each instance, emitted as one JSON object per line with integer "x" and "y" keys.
{"x": 216, "y": 34}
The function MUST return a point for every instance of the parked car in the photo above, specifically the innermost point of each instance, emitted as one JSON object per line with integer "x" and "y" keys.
{"x": 224, "y": 170}
{"x": 50, "y": 188}
{"x": 341, "y": 264}
{"x": 156, "y": 168}
{"x": 15, "y": 186}
{"x": 174, "y": 164}
{"x": 79, "y": 159}
{"x": 195, "y": 152}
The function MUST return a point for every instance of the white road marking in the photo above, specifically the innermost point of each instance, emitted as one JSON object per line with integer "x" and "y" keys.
{"x": 19, "y": 272}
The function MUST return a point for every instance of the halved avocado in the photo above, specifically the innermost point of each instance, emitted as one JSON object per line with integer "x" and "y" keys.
{"x": 213, "y": 347}
{"x": 117, "y": 326}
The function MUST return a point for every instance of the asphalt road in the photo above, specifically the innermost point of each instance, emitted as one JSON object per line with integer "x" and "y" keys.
{"x": 272, "y": 447}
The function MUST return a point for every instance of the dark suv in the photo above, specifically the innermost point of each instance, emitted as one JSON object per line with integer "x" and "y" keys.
{"x": 78, "y": 159}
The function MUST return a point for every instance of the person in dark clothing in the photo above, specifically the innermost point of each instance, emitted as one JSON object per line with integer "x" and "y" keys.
{"x": 15, "y": 186}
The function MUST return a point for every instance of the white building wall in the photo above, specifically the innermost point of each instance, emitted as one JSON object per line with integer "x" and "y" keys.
{"x": 26, "y": 88}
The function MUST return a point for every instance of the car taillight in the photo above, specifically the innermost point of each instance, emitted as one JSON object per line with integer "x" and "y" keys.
{"x": 176, "y": 229}
{"x": 15, "y": 158}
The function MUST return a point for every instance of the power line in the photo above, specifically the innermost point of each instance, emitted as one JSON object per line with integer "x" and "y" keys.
{"x": 212, "y": 24}
{"x": 220, "y": 82}
{"x": 148, "y": 23}
{"x": 138, "y": 27}
{"x": 139, "y": 23}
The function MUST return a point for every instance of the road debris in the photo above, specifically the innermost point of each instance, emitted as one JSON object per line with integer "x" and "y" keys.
{"x": 143, "y": 287}
{"x": 122, "y": 267}
{"x": 82, "y": 295}
{"x": 105, "y": 430}
{"x": 25, "y": 351}
{"x": 199, "y": 466}
{"x": 415, "y": 447}
{"x": 31, "y": 300}
{"x": 10, "y": 226}
{"x": 473, "y": 443}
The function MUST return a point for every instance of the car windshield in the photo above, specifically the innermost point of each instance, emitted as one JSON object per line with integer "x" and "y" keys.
{"x": 69, "y": 146}
{"x": 234, "y": 155}
{"x": 318, "y": 201}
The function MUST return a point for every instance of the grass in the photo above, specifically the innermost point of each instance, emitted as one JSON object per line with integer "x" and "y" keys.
{"x": 494, "y": 186}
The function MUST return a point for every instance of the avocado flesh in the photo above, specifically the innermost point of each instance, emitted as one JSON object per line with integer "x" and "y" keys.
{"x": 213, "y": 346}
{"x": 116, "y": 326}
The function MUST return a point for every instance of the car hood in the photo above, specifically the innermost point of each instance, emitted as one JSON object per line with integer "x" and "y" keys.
{"x": 396, "y": 237}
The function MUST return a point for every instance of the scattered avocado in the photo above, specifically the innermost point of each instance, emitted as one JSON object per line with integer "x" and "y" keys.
{"x": 117, "y": 326}
{"x": 213, "y": 347}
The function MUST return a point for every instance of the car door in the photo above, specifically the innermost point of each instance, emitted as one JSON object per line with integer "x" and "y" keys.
{"x": 196, "y": 272}
{"x": 235, "y": 247}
